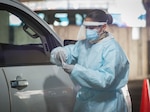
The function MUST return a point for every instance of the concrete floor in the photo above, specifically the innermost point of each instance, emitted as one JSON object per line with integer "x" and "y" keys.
{"x": 135, "y": 89}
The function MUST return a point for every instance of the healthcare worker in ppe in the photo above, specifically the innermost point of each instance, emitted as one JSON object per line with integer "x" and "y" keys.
{"x": 99, "y": 65}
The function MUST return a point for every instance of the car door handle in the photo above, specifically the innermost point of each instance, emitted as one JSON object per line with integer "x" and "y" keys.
{"x": 19, "y": 83}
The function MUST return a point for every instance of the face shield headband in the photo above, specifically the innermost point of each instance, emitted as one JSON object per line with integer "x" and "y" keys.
{"x": 90, "y": 23}
{"x": 82, "y": 31}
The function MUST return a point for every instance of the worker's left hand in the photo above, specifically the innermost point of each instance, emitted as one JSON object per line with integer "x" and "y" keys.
{"x": 67, "y": 68}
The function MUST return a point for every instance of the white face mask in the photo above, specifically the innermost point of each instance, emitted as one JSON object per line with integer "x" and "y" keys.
{"x": 92, "y": 34}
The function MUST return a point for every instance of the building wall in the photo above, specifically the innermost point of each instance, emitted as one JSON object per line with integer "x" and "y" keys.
{"x": 136, "y": 50}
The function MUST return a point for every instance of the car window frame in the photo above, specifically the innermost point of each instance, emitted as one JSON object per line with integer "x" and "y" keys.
{"x": 48, "y": 37}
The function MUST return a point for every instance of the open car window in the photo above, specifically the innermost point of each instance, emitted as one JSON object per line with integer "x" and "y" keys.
{"x": 19, "y": 44}
{"x": 15, "y": 30}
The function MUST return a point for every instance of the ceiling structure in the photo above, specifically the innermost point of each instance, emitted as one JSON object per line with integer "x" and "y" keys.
{"x": 124, "y": 8}
{"x": 68, "y": 4}
{"x": 104, "y": 1}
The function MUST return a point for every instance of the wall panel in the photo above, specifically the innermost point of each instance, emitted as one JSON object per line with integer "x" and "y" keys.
{"x": 136, "y": 50}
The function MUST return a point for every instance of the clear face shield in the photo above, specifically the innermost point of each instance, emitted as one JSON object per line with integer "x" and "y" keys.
{"x": 82, "y": 34}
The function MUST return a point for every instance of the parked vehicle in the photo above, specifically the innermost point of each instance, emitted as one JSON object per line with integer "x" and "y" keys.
{"x": 28, "y": 81}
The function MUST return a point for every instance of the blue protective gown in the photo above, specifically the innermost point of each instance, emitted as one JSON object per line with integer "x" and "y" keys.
{"x": 101, "y": 70}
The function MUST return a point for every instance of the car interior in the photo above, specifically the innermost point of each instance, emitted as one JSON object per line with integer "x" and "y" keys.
{"x": 23, "y": 40}
{"x": 13, "y": 55}
{"x": 22, "y": 46}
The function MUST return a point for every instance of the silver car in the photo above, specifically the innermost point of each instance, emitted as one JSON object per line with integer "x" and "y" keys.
{"x": 28, "y": 81}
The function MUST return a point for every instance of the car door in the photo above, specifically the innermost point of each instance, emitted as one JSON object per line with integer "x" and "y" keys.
{"x": 31, "y": 82}
{"x": 39, "y": 89}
